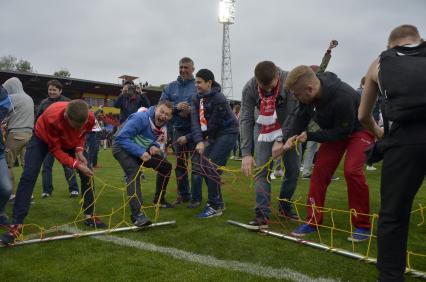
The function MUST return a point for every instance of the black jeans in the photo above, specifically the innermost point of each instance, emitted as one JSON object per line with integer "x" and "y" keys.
{"x": 131, "y": 167}
{"x": 34, "y": 156}
{"x": 403, "y": 172}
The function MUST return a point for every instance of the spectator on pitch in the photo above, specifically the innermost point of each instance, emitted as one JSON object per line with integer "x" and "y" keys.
{"x": 333, "y": 105}
{"x": 214, "y": 131}
{"x": 311, "y": 146}
{"x": 180, "y": 92}
{"x": 236, "y": 151}
{"x": 20, "y": 124}
{"x": 60, "y": 130}
{"x": 130, "y": 100}
{"x": 400, "y": 75}
{"x": 54, "y": 91}
{"x": 138, "y": 144}
{"x": 5, "y": 184}
{"x": 266, "y": 102}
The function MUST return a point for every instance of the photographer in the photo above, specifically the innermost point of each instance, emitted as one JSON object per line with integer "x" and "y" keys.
{"x": 130, "y": 100}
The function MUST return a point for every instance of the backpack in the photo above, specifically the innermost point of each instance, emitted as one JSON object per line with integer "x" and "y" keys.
{"x": 402, "y": 81}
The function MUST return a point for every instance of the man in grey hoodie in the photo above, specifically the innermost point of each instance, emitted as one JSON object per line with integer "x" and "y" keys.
{"x": 265, "y": 108}
{"x": 20, "y": 123}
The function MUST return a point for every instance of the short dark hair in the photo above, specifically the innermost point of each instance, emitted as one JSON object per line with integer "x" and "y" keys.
{"x": 265, "y": 72}
{"x": 77, "y": 111}
{"x": 186, "y": 60}
{"x": 55, "y": 82}
{"x": 403, "y": 31}
{"x": 205, "y": 74}
{"x": 166, "y": 103}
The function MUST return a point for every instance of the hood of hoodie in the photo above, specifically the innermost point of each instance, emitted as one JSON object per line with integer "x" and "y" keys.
{"x": 216, "y": 88}
{"x": 13, "y": 86}
{"x": 329, "y": 83}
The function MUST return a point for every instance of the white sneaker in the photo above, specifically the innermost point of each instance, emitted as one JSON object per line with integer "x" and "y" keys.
{"x": 273, "y": 176}
{"x": 45, "y": 195}
{"x": 370, "y": 168}
{"x": 278, "y": 173}
{"x": 232, "y": 158}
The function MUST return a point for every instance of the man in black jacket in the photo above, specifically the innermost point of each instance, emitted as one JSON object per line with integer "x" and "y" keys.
{"x": 333, "y": 105}
{"x": 402, "y": 80}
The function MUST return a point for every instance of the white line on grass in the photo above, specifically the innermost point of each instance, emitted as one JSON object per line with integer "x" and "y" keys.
{"x": 245, "y": 267}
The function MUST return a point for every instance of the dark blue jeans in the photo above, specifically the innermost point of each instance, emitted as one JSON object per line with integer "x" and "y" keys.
{"x": 92, "y": 148}
{"x": 205, "y": 166}
{"x": 46, "y": 175}
{"x": 181, "y": 170}
{"x": 131, "y": 167}
{"x": 34, "y": 156}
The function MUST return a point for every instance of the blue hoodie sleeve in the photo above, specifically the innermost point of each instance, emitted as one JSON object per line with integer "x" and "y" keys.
{"x": 197, "y": 135}
{"x": 4, "y": 103}
{"x": 136, "y": 124}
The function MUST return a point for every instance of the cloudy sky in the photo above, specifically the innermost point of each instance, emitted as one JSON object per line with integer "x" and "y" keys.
{"x": 101, "y": 40}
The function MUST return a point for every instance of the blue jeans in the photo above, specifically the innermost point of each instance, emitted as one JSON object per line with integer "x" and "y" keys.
{"x": 181, "y": 170}
{"x": 215, "y": 154}
{"x": 46, "y": 175}
{"x": 5, "y": 183}
{"x": 262, "y": 184}
{"x": 308, "y": 158}
{"x": 34, "y": 156}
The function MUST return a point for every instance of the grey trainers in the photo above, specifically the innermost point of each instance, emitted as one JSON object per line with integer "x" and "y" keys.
{"x": 140, "y": 220}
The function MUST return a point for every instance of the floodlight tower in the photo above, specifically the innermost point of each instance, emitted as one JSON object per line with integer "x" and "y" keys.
{"x": 226, "y": 17}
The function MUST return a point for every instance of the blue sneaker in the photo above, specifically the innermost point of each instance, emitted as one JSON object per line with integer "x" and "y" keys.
{"x": 209, "y": 212}
{"x": 359, "y": 235}
{"x": 302, "y": 230}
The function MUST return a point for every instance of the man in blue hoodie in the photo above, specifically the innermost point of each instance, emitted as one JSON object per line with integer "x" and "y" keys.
{"x": 180, "y": 93}
{"x": 5, "y": 184}
{"x": 138, "y": 144}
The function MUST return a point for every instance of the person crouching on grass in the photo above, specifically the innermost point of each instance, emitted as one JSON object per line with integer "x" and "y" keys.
{"x": 138, "y": 143}
{"x": 59, "y": 130}
{"x": 214, "y": 130}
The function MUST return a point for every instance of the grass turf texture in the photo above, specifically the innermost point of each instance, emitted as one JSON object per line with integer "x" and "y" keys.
{"x": 87, "y": 259}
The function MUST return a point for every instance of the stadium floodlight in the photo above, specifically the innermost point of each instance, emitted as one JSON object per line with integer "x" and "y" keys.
{"x": 226, "y": 18}
{"x": 227, "y": 11}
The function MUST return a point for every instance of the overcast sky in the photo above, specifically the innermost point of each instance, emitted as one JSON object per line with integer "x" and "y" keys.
{"x": 101, "y": 40}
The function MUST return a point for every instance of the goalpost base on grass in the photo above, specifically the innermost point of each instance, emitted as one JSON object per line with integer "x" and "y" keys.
{"x": 89, "y": 233}
{"x": 410, "y": 271}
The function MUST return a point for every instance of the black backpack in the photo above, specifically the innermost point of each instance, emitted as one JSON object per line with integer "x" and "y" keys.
{"x": 402, "y": 78}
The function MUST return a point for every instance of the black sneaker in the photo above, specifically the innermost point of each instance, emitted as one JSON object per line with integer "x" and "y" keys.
{"x": 140, "y": 220}
{"x": 164, "y": 204}
{"x": 194, "y": 204}
{"x": 258, "y": 223}
{"x": 4, "y": 220}
{"x": 13, "y": 232}
{"x": 94, "y": 221}
{"x": 180, "y": 200}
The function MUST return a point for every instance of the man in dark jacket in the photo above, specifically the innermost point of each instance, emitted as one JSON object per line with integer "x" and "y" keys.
{"x": 333, "y": 105}
{"x": 54, "y": 91}
{"x": 400, "y": 72}
{"x": 130, "y": 100}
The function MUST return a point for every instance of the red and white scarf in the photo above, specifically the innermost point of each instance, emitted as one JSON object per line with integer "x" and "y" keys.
{"x": 160, "y": 133}
{"x": 203, "y": 120}
{"x": 271, "y": 128}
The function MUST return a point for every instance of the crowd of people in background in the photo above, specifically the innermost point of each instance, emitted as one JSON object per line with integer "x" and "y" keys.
{"x": 280, "y": 111}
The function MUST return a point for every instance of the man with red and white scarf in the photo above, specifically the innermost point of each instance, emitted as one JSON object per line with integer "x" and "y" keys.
{"x": 265, "y": 107}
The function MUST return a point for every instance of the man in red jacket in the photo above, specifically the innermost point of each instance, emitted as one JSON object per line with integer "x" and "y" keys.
{"x": 59, "y": 130}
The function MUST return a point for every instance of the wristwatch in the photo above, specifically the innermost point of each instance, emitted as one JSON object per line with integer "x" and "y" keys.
{"x": 279, "y": 139}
